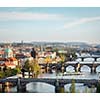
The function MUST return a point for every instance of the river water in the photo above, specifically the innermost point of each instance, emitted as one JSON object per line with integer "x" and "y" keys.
{"x": 38, "y": 87}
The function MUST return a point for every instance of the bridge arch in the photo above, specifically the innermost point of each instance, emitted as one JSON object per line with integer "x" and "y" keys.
{"x": 85, "y": 68}
{"x": 98, "y": 69}
{"x": 70, "y": 68}
{"x": 40, "y": 87}
{"x": 98, "y": 59}
{"x": 89, "y": 59}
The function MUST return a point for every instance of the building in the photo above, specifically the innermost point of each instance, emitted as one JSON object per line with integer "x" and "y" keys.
{"x": 8, "y": 53}
{"x": 7, "y": 59}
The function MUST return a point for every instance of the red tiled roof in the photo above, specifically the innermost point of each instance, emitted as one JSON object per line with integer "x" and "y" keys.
{"x": 3, "y": 59}
{"x": 8, "y": 59}
{"x": 1, "y": 52}
{"x": 12, "y": 59}
{"x": 7, "y": 64}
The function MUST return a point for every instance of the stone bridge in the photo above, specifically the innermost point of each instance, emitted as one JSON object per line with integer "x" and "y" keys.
{"x": 78, "y": 65}
{"x": 84, "y": 57}
{"x": 58, "y": 83}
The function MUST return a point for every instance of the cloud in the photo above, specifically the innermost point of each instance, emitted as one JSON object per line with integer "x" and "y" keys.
{"x": 81, "y": 21}
{"x": 8, "y": 16}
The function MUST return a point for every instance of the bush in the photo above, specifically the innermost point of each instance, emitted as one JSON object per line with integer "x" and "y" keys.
{"x": 9, "y": 72}
{"x": 13, "y": 71}
{"x": 2, "y": 74}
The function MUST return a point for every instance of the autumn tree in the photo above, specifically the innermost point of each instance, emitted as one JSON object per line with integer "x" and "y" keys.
{"x": 27, "y": 66}
{"x": 32, "y": 66}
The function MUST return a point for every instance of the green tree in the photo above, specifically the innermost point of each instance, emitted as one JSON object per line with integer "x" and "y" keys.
{"x": 36, "y": 68}
{"x": 13, "y": 71}
{"x": 63, "y": 57}
{"x": 18, "y": 68}
{"x": 8, "y": 73}
{"x": 2, "y": 74}
{"x": 27, "y": 66}
{"x": 74, "y": 56}
{"x": 32, "y": 66}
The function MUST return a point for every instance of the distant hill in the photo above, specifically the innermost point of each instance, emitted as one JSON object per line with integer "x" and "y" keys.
{"x": 80, "y": 44}
{"x": 97, "y": 46}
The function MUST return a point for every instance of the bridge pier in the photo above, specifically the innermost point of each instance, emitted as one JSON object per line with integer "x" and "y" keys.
{"x": 98, "y": 87}
{"x": 50, "y": 70}
{"x": 94, "y": 70}
{"x": 59, "y": 88}
{"x": 3, "y": 87}
{"x": 82, "y": 59}
{"x": 21, "y": 87}
{"x": 79, "y": 69}
{"x": 63, "y": 69}
{"x": 95, "y": 59}
{"x": 75, "y": 68}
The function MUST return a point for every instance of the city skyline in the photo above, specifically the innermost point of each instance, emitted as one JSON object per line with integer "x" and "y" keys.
{"x": 55, "y": 24}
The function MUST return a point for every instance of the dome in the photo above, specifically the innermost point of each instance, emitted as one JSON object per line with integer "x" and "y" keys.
{"x": 8, "y": 50}
{"x": 8, "y": 53}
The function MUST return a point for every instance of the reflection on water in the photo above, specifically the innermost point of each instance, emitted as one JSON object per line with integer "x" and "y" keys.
{"x": 38, "y": 87}
{"x": 98, "y": 59}
{"x": 98, "y": 69}
{"x": 70, "y": 69}
{"x": 80, "y": 88}
{"x": 85, "y": 68}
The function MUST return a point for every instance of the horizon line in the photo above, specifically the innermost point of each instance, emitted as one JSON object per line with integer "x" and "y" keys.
{"x": 41, "y": 41}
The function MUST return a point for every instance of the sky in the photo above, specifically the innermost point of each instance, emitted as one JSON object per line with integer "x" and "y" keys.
{"x": 53, "y": 24}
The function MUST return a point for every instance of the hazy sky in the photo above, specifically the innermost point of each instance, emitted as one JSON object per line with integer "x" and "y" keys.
{"x": 50, "y": 24}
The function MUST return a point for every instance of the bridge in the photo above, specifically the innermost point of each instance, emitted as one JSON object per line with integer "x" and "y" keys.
{"x": 58, "y": 83}
{"x": 77, "y": 66}
{"x": 95, "y": 57}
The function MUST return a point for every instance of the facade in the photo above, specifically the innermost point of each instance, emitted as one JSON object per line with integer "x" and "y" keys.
{"x": 7, "y": 59}
{"x": 8, "y": 53}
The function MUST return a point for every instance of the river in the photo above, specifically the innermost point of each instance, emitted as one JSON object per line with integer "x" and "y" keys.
{"x": 38, "y": 87}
